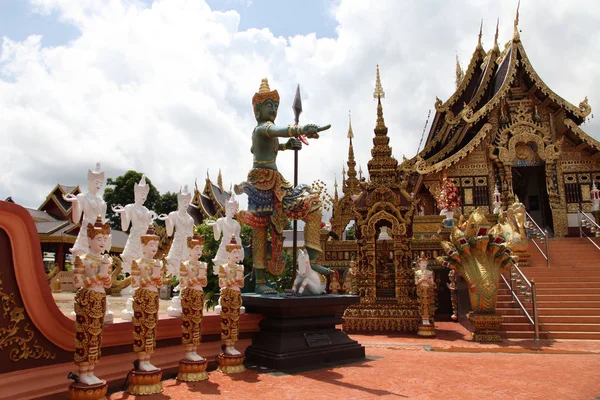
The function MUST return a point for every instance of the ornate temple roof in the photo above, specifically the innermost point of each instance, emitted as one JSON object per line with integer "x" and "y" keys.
{"x": 210, "y": 202}
{"x": 55, "y": 205}
{"x": 460, "y": 124}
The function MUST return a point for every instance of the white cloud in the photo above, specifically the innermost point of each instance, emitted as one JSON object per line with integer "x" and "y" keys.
{"x": 167, "y": 89}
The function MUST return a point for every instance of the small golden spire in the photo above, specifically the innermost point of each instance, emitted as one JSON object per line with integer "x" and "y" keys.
{"x": 516, "y": 30}
{"x": 360, "y": 171}
{"x": 220, "y": 180}
{"x": 378, "y": 93}
{"x": 350, "y": 133}
{"x": 335, "y": 191}
{"x": 264, "y": 86}
{"x": 459, "y": 72}
{"x": 479, "y": 45}
{"x": 496, "y": 36}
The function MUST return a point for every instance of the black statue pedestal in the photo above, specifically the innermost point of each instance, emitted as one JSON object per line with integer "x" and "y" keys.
{"x": 300, "y": 332}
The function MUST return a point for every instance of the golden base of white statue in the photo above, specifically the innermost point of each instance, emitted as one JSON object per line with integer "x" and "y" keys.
{"x": 229, "y": 364}
{"x": 145, "y": 382}
{"x": 192, "y": 371}
{"x": 79, "y": 391}
{"x": 426, "y": 330}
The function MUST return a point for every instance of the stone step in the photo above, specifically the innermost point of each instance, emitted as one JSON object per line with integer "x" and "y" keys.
{"x": 544, "y": 297}
{"x": 569, "y": 311}
{"x": 569, "y": 304}
{"x": 567, "y": 327}
{"x": 567, "y": 319}
{"x": 542, "y": 290}
{"x": 516, "y": 326}
{"x": 564, "y": 285}
{"x": 572, "y": 335}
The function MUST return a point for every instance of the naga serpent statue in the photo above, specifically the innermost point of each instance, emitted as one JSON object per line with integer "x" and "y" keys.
{"x": 479, "y": 254}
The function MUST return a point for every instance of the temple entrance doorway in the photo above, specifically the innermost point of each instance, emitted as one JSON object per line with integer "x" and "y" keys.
{"x": 529, "y": 184}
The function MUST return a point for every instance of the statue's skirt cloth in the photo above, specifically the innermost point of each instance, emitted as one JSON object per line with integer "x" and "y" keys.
{"x": 90, "y": 307}
{"x": 272, "y": 199}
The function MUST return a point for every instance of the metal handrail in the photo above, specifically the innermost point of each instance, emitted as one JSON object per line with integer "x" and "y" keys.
{"x": 540, "y": 232}
{"x": 533, "y": 320}
{"x": 581, "y": 216}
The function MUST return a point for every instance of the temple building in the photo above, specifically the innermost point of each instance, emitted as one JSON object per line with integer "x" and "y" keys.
{"x": 57, "y": 232}
{"x": 504, "y": 128}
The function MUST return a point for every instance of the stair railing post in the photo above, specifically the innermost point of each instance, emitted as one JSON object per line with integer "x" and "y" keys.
{"x": 579, "y": 218}
{"x": 547, "y": 247}
{"x": 536, "y": 328}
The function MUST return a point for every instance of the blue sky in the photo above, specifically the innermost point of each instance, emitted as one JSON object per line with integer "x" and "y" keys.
{"x": 18, "y": 19}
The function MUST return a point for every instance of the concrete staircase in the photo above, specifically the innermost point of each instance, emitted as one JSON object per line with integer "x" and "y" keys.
{"x": 568, "y": 293}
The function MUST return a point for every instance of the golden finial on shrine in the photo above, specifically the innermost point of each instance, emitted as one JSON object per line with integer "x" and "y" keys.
{"x": 378, "y": 93}
{"x": 479, "y": 45}
{"x": 350, "y": 133}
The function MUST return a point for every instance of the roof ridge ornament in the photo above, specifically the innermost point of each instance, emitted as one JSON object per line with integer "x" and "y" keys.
{"x": 479, "y": 45}
{"x": 516, "y": 36}
{"x": 496, "y": 36}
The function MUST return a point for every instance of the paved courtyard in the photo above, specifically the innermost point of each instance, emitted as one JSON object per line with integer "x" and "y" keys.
{"x": 405, "y": 366}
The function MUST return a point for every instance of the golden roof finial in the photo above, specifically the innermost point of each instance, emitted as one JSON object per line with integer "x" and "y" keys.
{"x": 350, "y": 133}
{"x": 264, "y": 86}
{"x": 459, "y": 72}
{"x": 479, "y": 45}
{"x": 378, "y": 93}
{"x": 220, "y": 180}
{"x": 516, "y": 32}
{"x": 496, "y": 36}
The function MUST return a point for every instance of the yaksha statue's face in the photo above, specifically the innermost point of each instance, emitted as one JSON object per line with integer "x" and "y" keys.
{"x": 267, "y": 111}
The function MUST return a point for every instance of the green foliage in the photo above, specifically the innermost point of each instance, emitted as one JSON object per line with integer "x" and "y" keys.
{"x": 351, "y": 233}
{"x": 166, "y": 203}
{"x": 122, "y": 193}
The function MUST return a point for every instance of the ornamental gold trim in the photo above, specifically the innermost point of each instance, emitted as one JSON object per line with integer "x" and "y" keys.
{"x": 18, "y": 336}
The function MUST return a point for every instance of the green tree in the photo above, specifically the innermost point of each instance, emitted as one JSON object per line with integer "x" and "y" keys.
{"x": 166, "y": 203}
{"x": 122, "y": 193}
{"x": 350, "y": 233}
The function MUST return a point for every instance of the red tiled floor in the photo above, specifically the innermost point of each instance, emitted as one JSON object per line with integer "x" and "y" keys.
{"x": 399, "y": 367}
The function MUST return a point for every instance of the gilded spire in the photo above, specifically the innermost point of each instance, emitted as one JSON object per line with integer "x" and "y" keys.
{"x": 516, "y": 35}
{"x": 378, "y": 93}
{"x": 479, "y": 45}
{"x": 351, "y": 184}
{"x": 459, "y": 72}
{"x": 350, "y": 133}
{"x": 382, "y": 166}
{"x": 359, "y": 171}
{"x": 335, "y": 191}
{"x": 220, "y": 180}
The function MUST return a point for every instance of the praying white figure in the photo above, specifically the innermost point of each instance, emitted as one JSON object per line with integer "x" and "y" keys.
{"x": 139, "y": 217}
{"x": 90, "y": 205}
{"x": 227, "y": 226}
{"x": 183, "y": 224}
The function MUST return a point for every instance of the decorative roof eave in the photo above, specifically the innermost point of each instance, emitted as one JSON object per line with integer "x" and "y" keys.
{"x": 208, "y": 192}
{"x": 52, "y": 196}
{"x": 467, "y": 113}
{"x": 487, "y": 76}
{"x": 476, "y": 58}
{"x": 422, "y": 168}
{"x": 581, "y": 134}
{"x": 584, "y": 108}
{"x": 202, "y": 208}
{"x": 459, "y": 135}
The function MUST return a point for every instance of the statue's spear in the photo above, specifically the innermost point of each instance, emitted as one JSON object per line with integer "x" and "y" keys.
{"x": 297, "y": 107}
